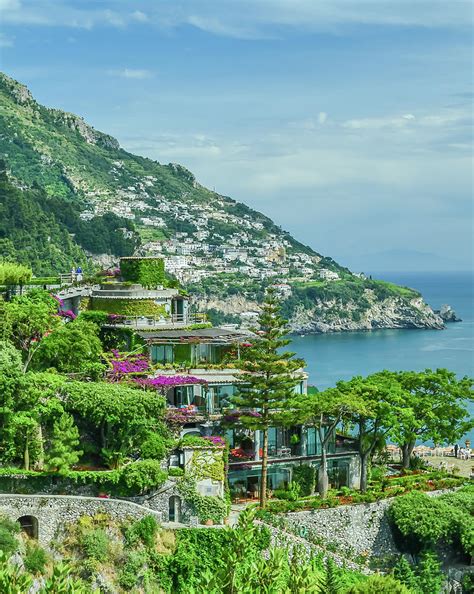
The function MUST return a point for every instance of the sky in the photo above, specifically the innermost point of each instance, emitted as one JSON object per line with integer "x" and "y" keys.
{"x": 349, "y": 122}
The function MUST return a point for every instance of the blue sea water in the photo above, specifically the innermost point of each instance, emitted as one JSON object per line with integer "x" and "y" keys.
{"x": 330, "y": 357}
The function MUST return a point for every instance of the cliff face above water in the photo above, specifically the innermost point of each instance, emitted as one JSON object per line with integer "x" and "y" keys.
{"x": 331, "y": 316}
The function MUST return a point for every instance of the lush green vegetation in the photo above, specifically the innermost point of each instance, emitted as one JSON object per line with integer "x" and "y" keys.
{"x": 423, "y": 522}
{"x": 140, "y": 557}
{"x": 148, "y": 272}
{"x": 290, "y": 500}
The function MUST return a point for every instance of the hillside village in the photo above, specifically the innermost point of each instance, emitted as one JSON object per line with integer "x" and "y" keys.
{"x": 207, "y": 248}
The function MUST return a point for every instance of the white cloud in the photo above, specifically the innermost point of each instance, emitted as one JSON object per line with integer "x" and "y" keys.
{"x": 322, "y": 117}
{"x": 134, "y": 73}
{"x": 140, "y": 16}
{"x": 247, "y": 19}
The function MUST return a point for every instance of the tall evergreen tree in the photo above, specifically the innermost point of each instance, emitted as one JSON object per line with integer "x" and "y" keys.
{"x": 63, "y": 451}
{"x": 269, "y": 378}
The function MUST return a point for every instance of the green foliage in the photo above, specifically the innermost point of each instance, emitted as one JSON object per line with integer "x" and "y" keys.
{"x": 8, "y": 531}
{"x": 35, "y": 559}
{"x": 14, "y": 274}
{"x": 95, "y": 544}
{"x": 268, "y": 379}
{"x": 144, "y": 531}
{"x": 206, "y": 507}
{"x": 143, "y": 475}
{"x": 424, "y": 521}
{"x": 126, "y": 307}
{"x": 132, "y": 571}
{"x": 31, "y": 233}
{"x": 63, "y": 452}
{"x": 12, "y": 579}
{"x": 72, "y": 348}
{"x": 378, "y": 584}
{"x": 156, "y": 446}
{"x": 123, "y": 415}
{"x": 430, "y": 577}
{"x": 148, "y": 272}
{"x": 175, "y": 471}
{"x": 29, "y": 318}
{"x": 304, "y": 477}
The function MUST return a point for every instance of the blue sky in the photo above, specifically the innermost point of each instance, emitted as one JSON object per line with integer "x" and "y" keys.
{"x": 347, "y": 121}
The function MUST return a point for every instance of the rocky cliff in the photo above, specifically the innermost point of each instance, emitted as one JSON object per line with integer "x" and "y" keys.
{"x": 333, "y": 316}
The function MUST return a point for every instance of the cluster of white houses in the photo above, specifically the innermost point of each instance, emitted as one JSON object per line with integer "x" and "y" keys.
{"x": 178, "y": 343}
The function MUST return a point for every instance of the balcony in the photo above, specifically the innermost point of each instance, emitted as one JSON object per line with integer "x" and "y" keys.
{"x": 161, "y": 322}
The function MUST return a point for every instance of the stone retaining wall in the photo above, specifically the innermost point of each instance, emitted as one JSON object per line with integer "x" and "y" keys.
{"x": 363, "y": 529}
{"x": 52, "y": 512}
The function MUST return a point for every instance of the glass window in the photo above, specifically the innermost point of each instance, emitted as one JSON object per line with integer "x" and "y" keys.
{"x": 313, "y": 443}
{"x": 162, "y": 353}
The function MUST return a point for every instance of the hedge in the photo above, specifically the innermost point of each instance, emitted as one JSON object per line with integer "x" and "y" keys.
{"x": 148, "y": 272}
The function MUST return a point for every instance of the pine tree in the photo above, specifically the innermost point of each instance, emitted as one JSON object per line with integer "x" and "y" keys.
{"x": 64, "y": 441}
{"x": 403, "y": 572}
{"x": 331, "y": 582}
{"x": 269, "y": 378}
{"x": 430, "y": 577}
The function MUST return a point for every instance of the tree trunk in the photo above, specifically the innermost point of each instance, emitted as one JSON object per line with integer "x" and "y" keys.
{"x": 40, "y": 463}
{"x": 407, "y": 451}
{"x": 323, "y": 478}
{"x": 263, "y": 479}
{"x": 364, "y": 458}
{"x": 26, "y": 454}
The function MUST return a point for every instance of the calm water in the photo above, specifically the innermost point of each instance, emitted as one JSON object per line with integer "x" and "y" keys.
{"x": 331, "y": 357}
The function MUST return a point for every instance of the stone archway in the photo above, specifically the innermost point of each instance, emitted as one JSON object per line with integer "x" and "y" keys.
{"x": 29, "y": 525}
{"x": 174, "y": 514}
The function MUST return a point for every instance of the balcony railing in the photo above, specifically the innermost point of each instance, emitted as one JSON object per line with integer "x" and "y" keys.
{"x": 173, "y": 320}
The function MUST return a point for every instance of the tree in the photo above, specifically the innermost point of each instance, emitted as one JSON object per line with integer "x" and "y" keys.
{"x": 11, "y": 380}
{"x": 123, "y": 416}
{"x": 324, "y": 411}
{"x": 434, "y": 408}
{"x": 379, "y": 401}
{"x": 31, "y": 318}
{"x": 63, "y": 452}
{"x": 269, "y": 378}
{"x": 25, "y": 432}
{"x": 14, "y": 274}
{"x": 72, "y": 348}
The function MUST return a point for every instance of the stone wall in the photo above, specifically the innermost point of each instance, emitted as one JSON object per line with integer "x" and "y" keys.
{"x": 362, "y": 529}
{"x": 52, "y": 512}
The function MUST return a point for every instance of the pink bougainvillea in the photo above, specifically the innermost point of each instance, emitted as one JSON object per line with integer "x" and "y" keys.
{"x": 124, "y": 364}
{"x": 215, "y": 439}
{"x": 163, "y": 382}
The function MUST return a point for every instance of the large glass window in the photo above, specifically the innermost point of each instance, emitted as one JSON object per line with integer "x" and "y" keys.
{"x": 162, "y": 353}
{"x": 313, "y": 443}
{"x": 220, "y": 396}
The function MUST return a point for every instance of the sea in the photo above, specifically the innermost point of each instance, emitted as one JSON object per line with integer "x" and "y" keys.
{"x": 331, "y": 357}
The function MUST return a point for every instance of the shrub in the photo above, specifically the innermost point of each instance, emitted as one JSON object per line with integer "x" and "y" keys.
{"x": 35, "y": 559}
{"x": 132, "y": 570}
{"x": 378, "y": 584}
{"x": 95, "y": 545}
{"x": 8, "y": 530}
{"x": 144, "y": 530}
{"x": 175, "y": 471}
{"x": 155, "y": 447}
{"x": 143, "y": 475}
{"x": 304, "y": 477}
{"x": 424, "y": 521}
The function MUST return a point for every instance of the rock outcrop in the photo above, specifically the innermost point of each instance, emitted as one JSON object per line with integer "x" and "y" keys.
{"x": 332, "y": 316}
{"x": 447, "y": 314}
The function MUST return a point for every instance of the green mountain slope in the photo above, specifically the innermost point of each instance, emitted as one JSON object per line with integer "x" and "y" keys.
{"x": 81, "y": 193}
